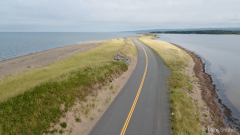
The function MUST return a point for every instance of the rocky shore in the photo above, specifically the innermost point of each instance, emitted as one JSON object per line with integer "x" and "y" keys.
{"x": 209, "y": 96}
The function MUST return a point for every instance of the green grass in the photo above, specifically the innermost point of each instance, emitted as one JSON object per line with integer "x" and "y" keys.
{"x": 64, "y": 124}
{"x": 107, "y": 100}
{"x": 53, "y": 131}
{"x": 185, "y": 120}
{"x": 87, "y": 110}
{"x": 111, "y": 87}
{"x": 78, "y": 120}
{"x": 61, "y": 131}
{"x": 31, "y": 100}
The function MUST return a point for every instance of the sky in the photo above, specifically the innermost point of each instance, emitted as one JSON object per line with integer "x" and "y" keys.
{"x": 116, "y": 15}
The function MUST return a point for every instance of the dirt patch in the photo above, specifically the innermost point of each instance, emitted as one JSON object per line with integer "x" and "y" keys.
{"x": 83, "y": 116}
{"x": 44, "y": 58}
{"x": 204, "y": 96}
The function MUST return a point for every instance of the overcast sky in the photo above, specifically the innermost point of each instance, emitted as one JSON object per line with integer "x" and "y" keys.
{"x": 116, "y": 15}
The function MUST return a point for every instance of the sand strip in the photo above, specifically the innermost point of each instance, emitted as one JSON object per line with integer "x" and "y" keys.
{"x": 44, "y": 58}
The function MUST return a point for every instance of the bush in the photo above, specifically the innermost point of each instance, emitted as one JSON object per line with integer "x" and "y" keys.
{"x": 61, "y": 131}
{"x": 64, "y": 124}
{"x": 78, "y": 120}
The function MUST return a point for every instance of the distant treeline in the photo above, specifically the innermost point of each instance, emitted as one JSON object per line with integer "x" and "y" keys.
{"x": 200, "y": 32}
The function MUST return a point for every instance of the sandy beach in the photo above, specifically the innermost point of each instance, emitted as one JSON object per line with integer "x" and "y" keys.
{"x": 44, "y": 58}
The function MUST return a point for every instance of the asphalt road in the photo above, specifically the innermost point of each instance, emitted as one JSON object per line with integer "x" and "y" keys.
{"x": 142, "y": 107}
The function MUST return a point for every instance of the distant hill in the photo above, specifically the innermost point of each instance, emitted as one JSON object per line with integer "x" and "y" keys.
{"x": 190, "y": 29}
{"x": 235, "y": 32}
{"x": 150, "y": 30}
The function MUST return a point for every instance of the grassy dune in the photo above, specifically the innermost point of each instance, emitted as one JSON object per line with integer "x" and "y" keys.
{"x": 185, "y": 119}
{"x": 30, "y": 101}
{"x": 18, "y": 84}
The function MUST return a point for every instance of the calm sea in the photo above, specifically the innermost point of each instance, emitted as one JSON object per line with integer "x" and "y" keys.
{"x": 14, "y": 44}
{"x": 221, "y": 53}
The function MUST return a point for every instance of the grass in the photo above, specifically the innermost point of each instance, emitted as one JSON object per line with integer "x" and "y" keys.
{"x": 61, "y": 131}
{"x": 53, "y": 131}
{"x": 117, "y": 87}
{"x": 87, "y": 110}
{"x": 111, "y": 87}
{"x": 31, "y": 101}
{"x": 64, "y": 124}
{"x": 107, "y": 100}
{"x": 186, "y": 118}
{"x": 78, "y": 120}
{"x": 92, "y": 105}
{"x": 173, "y": 57}
{"x": 94, "y": 99}
{"x": 71, "y": 130}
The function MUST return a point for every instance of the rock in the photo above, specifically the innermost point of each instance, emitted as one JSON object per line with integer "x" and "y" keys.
{"x": 119, "y": 57}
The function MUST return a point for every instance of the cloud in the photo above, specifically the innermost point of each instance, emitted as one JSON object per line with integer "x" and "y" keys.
{"x": 116, "y": 15}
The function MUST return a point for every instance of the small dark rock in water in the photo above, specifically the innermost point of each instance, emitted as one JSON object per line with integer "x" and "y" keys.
{"x": 120, "y": 57}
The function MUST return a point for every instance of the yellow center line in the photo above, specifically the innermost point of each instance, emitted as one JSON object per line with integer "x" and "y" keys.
{"x": 136, "y": 98}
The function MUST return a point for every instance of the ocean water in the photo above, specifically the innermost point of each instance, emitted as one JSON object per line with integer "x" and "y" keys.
{"x": 15, "y": 44}
{"x": 221, "y": 53}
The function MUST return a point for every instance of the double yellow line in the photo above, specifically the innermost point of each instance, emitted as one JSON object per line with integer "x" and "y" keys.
{"x": 136, "y": 98}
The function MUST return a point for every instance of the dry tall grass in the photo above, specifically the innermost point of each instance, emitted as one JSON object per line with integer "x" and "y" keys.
{"x": 185, "y": 119}
{"x": 172, "y": 55}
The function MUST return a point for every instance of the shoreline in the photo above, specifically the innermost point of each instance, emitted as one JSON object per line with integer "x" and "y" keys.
{"x": 209, "y": 94}
{"x": 44, "y": 58}
{"x": 66, "y": 46}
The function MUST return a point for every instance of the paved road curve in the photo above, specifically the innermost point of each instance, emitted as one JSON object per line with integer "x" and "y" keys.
{"x": 142, "y": 107}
